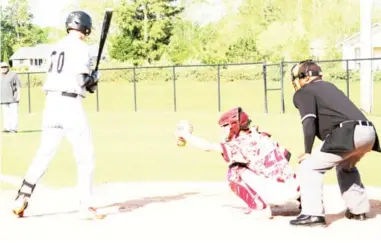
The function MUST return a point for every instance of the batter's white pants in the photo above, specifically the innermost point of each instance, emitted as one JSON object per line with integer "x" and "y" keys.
{"x": 273, "y": 192}
{"x": 10, "y": 116}
{"x": 65, "y": 116}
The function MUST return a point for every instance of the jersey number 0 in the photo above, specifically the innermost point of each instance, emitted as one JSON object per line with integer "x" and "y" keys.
{"x": 57, "y": 63}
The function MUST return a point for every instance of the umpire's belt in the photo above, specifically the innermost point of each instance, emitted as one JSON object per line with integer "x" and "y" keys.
{"x": 358, "y": 122}
{"x": 72, "y": 95}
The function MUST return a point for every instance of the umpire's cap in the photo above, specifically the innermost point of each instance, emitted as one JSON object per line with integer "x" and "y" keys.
{"x": 79, "y": 20}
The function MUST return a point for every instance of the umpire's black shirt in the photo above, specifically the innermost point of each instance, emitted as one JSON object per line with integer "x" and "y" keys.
{"x": 322, "y": 107}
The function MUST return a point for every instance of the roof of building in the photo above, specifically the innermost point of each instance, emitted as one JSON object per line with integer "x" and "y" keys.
{"x": 376, "y": 27}
{"x": 41, "y": 51}
{"x": 36, "y": 52}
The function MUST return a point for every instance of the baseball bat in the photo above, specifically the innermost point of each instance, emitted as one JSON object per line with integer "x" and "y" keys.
{"x": 102, "y": 41}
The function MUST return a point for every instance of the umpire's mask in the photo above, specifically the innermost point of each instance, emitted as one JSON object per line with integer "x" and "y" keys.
{"x": 302, "y": 70}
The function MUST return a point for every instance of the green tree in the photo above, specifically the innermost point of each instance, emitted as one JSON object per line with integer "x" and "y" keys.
{"x": 17, "y": 28}
{"x": 54, "y": 34}
{"x": 244, "y": 50}
{"x": 185, "y": 43}
{"x": 7, "y": 35}
{"x": 145, "y": 29}
{"x": 21, "y": 19}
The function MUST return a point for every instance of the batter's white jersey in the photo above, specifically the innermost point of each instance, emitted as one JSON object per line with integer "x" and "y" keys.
{"x": 68, "y": 58}
{"x": 64, "y": 115}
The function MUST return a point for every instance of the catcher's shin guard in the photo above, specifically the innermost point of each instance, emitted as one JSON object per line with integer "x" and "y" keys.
{"x": 244, "y": 191}
{"x": 248, "y": 195}
{"x": 22, "y": 199}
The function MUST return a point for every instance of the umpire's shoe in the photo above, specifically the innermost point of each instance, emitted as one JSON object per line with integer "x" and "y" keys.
{"x": 308, "y": 220}
{"x": 360, "y": 217}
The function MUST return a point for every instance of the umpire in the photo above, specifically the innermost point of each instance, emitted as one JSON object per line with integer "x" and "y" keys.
{"x": 346, "y": 135}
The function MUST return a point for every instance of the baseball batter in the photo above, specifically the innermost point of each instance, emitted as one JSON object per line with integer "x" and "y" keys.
{"x": 259, "y": 171}
{"x": 68, "y": 78}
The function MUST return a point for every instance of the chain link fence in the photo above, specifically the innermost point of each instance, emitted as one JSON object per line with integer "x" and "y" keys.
{"x": 260, "y": 87}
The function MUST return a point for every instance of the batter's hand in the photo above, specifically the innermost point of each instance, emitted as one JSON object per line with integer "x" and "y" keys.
{"x": 96, "y": 76}
{"x": 303, "y": 157}
{"x": 91, "y": 89}
{"x": 93, "y": 84}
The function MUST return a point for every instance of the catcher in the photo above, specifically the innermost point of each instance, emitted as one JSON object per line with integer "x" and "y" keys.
{"x": 259, "y": 171}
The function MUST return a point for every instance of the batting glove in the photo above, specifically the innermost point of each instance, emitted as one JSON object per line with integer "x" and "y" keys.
{"x": 96, "y": 75}
{"x": 91, "y": 89}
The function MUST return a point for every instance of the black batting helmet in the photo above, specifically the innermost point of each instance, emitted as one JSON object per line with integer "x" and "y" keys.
{"x": 79, "y": 20}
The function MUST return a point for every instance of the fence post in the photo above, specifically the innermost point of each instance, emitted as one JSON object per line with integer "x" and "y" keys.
{"x": 97, "y": 97}
{"x": 265, "y": 84}
{"x": 282, "y": 87}
{"x": 219, "y": 87}
{"x": 29, "y": 98}
{"x": 174, "y": 88}
{"x": 134, "y": 80}
{"x": 347, "y": 67}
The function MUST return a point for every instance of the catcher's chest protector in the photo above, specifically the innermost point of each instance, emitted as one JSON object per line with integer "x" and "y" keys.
{"x": 284, "y": 151}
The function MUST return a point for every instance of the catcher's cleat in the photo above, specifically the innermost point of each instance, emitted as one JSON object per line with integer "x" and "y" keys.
{"x": 300, "y": 203}
{"x": 261, "y": 214}
{"x": 247, "y": 210}
{"x": 21, "y": 204}
{"x": 360, "y": 217}
{"x": 91, "y": 214}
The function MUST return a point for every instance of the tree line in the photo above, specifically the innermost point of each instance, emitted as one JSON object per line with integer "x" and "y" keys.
{"x": 151, "y": 31}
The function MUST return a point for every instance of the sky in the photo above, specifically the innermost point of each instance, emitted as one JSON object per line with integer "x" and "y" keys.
{"x": 56, "y": 14}
{"x": 47, "y": 12}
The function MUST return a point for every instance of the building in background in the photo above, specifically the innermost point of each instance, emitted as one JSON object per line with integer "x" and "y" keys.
{"x": 31, "y": 58}
{"x": 34, "y": 58}
{"x": 318, "y": 49}
{"x": 351, "y": 49}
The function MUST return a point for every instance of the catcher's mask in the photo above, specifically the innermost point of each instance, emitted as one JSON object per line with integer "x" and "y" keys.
{"x": 302, "y": 70}
{"x": 238, "y": 121}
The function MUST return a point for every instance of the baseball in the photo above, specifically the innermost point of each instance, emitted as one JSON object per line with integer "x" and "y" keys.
{"x": 181, "y": 142}
{"x": 185, "y": 126}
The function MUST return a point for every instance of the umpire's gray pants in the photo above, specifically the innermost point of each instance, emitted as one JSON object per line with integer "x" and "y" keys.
{"x": 311, "y": 172}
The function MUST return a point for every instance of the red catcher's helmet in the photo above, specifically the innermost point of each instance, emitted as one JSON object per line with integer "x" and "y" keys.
{"x": 238, "y": 121}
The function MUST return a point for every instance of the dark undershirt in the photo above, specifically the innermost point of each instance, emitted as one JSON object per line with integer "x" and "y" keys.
{"x": 309, "y": 130}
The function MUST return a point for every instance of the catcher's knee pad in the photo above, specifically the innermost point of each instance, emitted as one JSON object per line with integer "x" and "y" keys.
{"x": 244, "y": 191}
{"x": 26, "y": 189}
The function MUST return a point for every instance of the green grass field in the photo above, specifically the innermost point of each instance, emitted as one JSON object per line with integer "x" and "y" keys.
{"x": 140, "y": 146}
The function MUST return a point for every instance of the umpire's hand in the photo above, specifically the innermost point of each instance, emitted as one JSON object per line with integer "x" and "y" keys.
{"x": 303, "y": 157}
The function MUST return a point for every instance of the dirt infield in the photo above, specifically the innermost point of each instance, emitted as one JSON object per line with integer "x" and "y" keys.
{"x": 174, "y": 212}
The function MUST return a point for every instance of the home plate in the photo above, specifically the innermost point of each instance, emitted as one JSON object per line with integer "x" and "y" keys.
{"x": 175, "y": 212}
